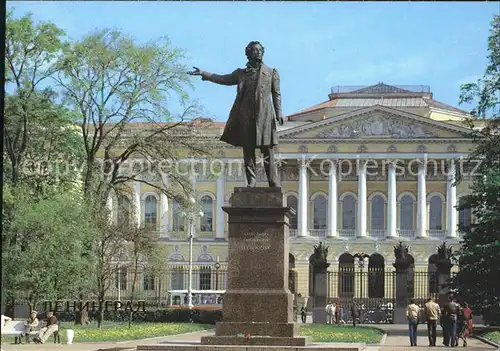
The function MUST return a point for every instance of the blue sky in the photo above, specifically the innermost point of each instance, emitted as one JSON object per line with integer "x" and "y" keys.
{"x": 313, "y": 45}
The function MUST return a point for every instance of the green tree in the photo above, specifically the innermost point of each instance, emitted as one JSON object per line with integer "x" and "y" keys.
{"x": 142, "y": 249}
{"x": 30, "y": 54}
{"x": 49, "y": 259}
{"x": 39, "y": 139}
{"x": 479, "y": 255}
{"x": 122, "y": 94}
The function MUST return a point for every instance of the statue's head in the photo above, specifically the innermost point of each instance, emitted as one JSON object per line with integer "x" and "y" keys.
{"x": 254, "y": 51}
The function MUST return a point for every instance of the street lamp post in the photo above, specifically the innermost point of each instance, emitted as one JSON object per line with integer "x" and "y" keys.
{"x": 217, "y": 267}
{"x": 361, "y": 260}
{"x": 191, "y": 215}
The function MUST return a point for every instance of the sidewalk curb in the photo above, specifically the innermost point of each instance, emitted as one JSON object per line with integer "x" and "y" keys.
{"x": 162, "y": 337}
{"x": 486, "y": 341}
{"x": 382, "y": 341}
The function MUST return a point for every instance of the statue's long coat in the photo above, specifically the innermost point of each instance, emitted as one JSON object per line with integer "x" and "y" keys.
{"x": 268, "y": 86}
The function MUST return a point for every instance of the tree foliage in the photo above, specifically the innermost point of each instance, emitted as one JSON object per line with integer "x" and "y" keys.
{"x": 30, "y": 53}
{"x": 124, "y": 95}
{"x": 486, "y": 91}
{"x": 47, "y": 258}
{"x": 479, "y": 255}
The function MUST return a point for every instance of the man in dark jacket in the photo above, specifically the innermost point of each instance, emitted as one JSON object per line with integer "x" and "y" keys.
{"x": 252, "y": 120}
{"x": 354, "y": 313}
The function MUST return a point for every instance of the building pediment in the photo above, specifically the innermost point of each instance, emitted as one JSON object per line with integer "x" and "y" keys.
{"x": 376, "y": 122}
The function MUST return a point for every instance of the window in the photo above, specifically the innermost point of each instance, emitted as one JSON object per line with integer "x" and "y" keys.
{"x": 206, "y": 222}
{"x": 178, "y": 223}
{"x": 177, "y": 279}
{"x": 435, "y": 213}
{"x": 123, "y": 211}
{"x": 320, "y": 209}
{"x": 205, "y": 278}
{"x": 464, "y": 217}
{"x": 349, "y": 212}
{"x": 346, "y": 275}
{"x": 150, "y": 210}
{"x": 378, "y": 212}
{"x": 291, "y": 201}
{"x": 406, "y": 213}
{"x": 148, "y": 281}
{"x": 121, "y": 278}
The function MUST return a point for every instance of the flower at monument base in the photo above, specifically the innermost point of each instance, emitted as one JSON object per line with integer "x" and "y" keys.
{"x": 248, "y": 336}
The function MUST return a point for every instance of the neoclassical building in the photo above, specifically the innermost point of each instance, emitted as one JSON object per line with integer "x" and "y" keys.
{"x": 367, "y": 168}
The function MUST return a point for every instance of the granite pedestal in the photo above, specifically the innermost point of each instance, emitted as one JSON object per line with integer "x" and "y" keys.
{"x": 257, "y": 300}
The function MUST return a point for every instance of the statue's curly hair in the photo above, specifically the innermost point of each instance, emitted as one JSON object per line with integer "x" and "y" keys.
{"x": 251, "y": 44}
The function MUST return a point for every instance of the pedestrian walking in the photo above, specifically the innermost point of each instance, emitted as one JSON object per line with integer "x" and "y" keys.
{"x": 412, "y": 314}
{"x": 432, "y": 316}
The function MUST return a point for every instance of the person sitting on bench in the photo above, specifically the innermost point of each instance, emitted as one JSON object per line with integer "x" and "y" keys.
{"x": 30, "y": 324}
{"x": 51, "y": 327}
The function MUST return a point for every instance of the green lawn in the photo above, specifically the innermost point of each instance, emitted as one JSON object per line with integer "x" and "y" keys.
{"x": 493, "y": 336}
{"x": 120, "y": 331}
{"x": 341, "y": 333}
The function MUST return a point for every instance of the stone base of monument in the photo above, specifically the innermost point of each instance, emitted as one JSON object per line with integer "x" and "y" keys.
{"x": 257, "y": 340}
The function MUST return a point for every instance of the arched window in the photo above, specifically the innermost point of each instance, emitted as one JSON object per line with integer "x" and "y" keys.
{"x": 348, "y": 212}
{"x": 433, "y": 283}
{"x": 205, "y": 281}
{"x": 435, "y": 213}
{"x": 346, "y": 275}
{"x": 291, "y": 201}
{"x": 376, "y": 276}
{"x": 150, "y": 210}
{"x": 406, "y": 212}
{"x": 464, "y": 217}
{"x": 177, "y": 279}
{"x": 378, "y": 212}
{"x": 178, "y": 220}
{"x": 319, "y": 217}
{"x": 207, "y": 206}
{"x": 123, "y": 211}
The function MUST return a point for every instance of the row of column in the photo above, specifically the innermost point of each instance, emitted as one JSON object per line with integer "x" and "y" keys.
{"x": 361, "y": 227}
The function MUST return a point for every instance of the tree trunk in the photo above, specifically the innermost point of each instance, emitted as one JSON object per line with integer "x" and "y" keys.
{"x": 82, "y": 317}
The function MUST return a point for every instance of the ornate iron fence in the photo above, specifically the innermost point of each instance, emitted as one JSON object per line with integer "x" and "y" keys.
{"x": 374, "y": 291}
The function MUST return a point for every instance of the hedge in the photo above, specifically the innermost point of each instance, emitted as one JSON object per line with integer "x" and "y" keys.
{"x": 180, "y": 315}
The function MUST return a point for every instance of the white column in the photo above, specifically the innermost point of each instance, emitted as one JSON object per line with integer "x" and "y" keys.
{"x": 361, "y": 227}
{"x": 332, "y": 201}
{"x": 219, "y": 234}
{"x": 391, "y": 201}
{"x": 137, "y": 203}
{"x": 421, "y": 202}
{"x": 164, "y": 213}
{"x": 451, "y": 202}
{"x": 303, "y": 199}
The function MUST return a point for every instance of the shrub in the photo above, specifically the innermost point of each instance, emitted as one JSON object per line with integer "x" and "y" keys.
{"x": 177, "y": 315}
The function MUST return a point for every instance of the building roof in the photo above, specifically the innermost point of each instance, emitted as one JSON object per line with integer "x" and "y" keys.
{"x": 380, "y": 94}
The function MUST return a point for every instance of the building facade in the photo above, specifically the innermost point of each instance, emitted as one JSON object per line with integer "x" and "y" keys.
{"x": 368, "y": 168}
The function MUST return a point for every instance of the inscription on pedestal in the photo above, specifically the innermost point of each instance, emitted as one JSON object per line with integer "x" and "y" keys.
{"x": 256, "y": 242}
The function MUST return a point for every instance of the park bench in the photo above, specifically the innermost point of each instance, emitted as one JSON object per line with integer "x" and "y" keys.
{"x": 16, "y": 329}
